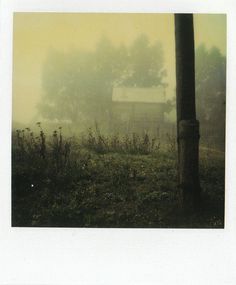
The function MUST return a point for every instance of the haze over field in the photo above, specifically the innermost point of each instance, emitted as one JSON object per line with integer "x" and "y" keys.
{"x": 94, "y": 133}
{"x": 35, "y": 34}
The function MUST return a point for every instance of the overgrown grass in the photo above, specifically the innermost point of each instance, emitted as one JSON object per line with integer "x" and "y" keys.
{"x": 133, "y": 144}
{"x": 102, "y": 181}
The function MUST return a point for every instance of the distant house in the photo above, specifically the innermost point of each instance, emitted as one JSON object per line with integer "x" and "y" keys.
{"x": 138, "y": 109}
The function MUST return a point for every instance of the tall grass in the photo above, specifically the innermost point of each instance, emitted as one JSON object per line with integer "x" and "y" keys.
{"x": 40, "y": 148}
{"x": 128, "y": 144}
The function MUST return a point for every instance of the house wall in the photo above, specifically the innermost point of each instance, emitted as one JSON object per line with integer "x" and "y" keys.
{"x": 137, "y": 117}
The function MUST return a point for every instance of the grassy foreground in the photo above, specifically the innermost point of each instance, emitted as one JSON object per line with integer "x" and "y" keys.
{"x": 107, "y": 182}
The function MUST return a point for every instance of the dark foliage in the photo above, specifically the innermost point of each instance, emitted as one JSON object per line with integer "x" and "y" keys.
{"x": 211, "y": 94}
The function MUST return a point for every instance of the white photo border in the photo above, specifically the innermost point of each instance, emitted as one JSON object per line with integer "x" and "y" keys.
{"x": 115, "y": 256}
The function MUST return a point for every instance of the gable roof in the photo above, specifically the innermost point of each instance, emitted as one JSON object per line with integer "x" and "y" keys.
{"x": 140, "y": 95}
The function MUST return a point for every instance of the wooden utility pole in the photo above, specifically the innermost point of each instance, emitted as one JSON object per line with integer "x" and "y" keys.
{"x": 187, "y": 125}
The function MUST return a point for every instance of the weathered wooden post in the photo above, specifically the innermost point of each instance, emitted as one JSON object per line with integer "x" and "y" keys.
{"x": 187, "y": 125}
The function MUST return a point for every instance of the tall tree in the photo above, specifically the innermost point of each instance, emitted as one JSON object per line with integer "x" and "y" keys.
{"x": 187, "y": 125}
{"x": 145, "y": 64}
{"x": 211, "y": 94}
{"x": 67, "y": 85}
{"x": 78, "y": 85}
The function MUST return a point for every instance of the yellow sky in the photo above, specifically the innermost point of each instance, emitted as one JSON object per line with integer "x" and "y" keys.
{"x": 36, "y": 33}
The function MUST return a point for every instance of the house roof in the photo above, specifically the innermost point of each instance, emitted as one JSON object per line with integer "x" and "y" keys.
{"x": 141, "y": 95}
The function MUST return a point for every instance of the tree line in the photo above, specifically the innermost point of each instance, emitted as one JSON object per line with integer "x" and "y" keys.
{"x": 78, "y": 85}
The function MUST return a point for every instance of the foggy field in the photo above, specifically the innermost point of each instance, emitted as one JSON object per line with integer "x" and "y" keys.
{"x": 108, "y": 181}
{"x": 110, "y": 93}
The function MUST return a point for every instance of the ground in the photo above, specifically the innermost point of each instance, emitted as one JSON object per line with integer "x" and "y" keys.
{"x": 108, "y": 182}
